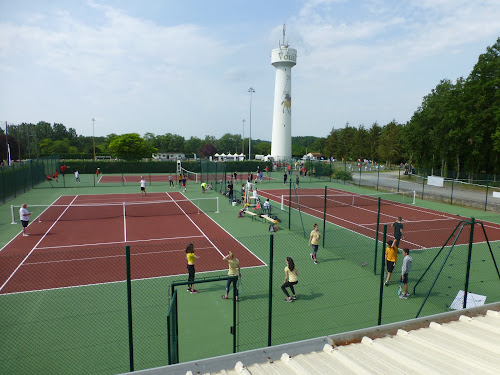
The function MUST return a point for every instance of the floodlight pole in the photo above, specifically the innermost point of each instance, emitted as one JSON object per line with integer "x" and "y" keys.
{"x": 243, "y": 138}
{"x": 93, "y": 137}
{"x": 251, "y": 91}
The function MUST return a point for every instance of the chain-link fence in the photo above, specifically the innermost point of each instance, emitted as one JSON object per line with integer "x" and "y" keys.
{"x": 52, "y": 322}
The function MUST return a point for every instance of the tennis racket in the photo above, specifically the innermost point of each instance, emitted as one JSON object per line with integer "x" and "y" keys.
{"x": 400, "y": 290}
{"x": 239, "y": 285}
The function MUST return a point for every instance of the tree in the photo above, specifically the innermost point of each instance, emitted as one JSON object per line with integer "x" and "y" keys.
{"x": 207, "y": 150}
{"x": 390, "y": 145}
{"x": 192, "y": 145}
{"x": 13, "y": 145}
{"x": 131, "y": 147}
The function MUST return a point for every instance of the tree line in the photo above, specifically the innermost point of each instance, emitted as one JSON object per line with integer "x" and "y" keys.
{"x": 457, "y": 127}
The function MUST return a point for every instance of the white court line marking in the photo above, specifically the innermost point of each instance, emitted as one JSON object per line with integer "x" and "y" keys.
{"x": 275, "y": 197}
{"x": 120, "y": 242}
{"x": 112, "y": 256}
{"x": 447, "y": 216}
{"x": 208, "y": 239}
{"x": 31, "y": 222}
{"x": 34, "y": 247}
{"x": 230, "y": 235}
{"x": 118, "y": 281}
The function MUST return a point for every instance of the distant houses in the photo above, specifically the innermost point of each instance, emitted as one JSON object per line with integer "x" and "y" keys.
{"x": 163, "y": 156}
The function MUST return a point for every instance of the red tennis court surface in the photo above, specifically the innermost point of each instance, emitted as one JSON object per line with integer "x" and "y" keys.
{"x": 423, "y": 228}
{"x": 82, "y": 245}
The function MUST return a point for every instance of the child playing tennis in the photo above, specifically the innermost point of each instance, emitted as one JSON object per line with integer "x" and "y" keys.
{"x": 291, "y": 279}
{"x": 404, "y": 272}
{"x": 314, "y": 242}
{"x": 190, "y": 266}
{"x": 391, "y": 257}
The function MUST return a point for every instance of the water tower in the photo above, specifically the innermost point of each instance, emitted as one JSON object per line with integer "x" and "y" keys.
{"x": 283, "y": 59}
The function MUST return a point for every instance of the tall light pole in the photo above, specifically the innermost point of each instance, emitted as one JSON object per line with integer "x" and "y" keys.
{"x": 243, "y": 138}
{"x": 251, "y": 91}
{"x": 93, "y": 137}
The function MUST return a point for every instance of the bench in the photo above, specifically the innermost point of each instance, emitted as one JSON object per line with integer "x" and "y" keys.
{"x": 252, "y": 214}
{"x": 270, "y": 219}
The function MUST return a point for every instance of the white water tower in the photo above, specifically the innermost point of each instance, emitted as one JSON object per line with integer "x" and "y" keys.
{"x": 283, "y": 59}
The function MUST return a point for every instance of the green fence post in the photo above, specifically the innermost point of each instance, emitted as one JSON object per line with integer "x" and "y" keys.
{"x": 270, "y": 308}
{"x": 345, "y": 170}
{"x": 381, "y": 294}
{"x": 324, "y": 219}
{"x": 487, "y": 186}
{"x": 469, "y": 256}
{"x": 234, "y": 314}
{"x": 289, "y": 204}
{"x": 376, "y": 239}
{"x": 399, "y": 176}
{"x": 423, "y": 184}
{"x": 378, "y": 175}
{"x": 129, "y": 308}
{"x": 452, "y": 183}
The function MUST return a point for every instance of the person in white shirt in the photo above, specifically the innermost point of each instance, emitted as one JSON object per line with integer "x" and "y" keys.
{"x": 24, "y": 215}
{"x": 255, "y": 195}
{"x": 77, "y": 176}
{"x": 143, "y": 186}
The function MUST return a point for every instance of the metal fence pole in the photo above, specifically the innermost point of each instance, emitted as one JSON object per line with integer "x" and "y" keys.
{"x": 324, "y": 219}
{"x": 376, "y": 238}
{"x": 452, "y": 183}
{"x": 270, "y": 308}
{"x": 381, "y": 293}
{"x": 399, "y": 177}
{"x": 469, "y": 256}
{"x": 129, "y": 309}
{"x": 487, "y": 186}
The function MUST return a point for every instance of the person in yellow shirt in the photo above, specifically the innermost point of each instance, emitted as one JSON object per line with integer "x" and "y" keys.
{"x": 391, "y": 257}
{"x": 291, "y": 279}
{"x": 234, "y": 270}
{"x": 314, "y": 242}
{"x": 190, "y": 256}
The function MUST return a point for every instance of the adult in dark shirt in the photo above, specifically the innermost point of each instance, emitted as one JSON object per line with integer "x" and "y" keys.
{"x": 230, "y": 187}
{"x": 398, "y": 230}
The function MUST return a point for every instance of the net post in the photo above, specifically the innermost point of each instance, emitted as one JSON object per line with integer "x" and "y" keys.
{"x": 12, "y": 214}
{"x": 129, "y": 309}
{"x": 217, "y": 205}
{"x": 270, "y": 306}
{"x": 414, "y": 197}
{"x": 381, "y": 293}
{"x": 282, "y": 202}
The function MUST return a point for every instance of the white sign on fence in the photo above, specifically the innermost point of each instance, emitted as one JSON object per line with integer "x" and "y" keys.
{"x": 435, "y": 181}
{"x": 496, "y": 194}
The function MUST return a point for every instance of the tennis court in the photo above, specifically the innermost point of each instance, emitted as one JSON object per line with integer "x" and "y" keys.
{"x": 424, "y": 228}
{"x": 99, "y": 226}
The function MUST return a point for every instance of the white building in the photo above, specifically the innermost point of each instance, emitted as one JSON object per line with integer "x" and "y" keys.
{"x": 163, "y": 156}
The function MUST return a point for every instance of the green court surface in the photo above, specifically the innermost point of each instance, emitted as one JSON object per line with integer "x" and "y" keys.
{"x": 85, "y": 329}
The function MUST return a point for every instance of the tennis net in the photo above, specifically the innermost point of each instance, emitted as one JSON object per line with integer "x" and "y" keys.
{"x": 193, "y": 176}
{"x": 342, "y": 200}
{"x": 75, "y": 212}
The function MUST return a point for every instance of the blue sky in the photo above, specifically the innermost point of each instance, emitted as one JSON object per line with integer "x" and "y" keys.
{"x": 185, "y": 67}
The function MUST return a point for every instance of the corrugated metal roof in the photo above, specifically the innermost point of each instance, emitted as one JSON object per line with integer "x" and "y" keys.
{"x": 467, "y": 345}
